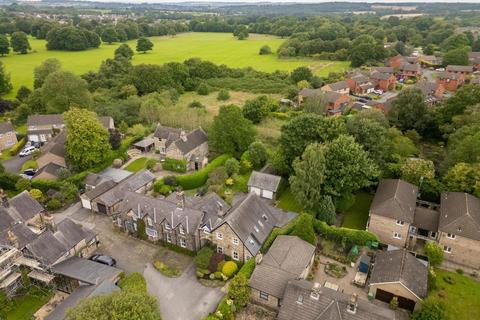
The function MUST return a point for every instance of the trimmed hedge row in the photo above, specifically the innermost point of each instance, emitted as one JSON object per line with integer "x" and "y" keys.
{"x": 18, "y": 146}
{"x": 199, "y": 178}
{"x": 354, "y": 237}
{"x": 174, "y": 165}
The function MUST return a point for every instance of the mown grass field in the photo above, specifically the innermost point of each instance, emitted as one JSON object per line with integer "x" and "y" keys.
{"x": 220, "y": 48}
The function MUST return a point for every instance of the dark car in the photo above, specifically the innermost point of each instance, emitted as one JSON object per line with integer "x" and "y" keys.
{"x": 30, "y": 172}
{"x": 106, "y": 260}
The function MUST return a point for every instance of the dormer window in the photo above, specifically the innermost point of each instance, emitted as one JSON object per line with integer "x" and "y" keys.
{"x": 400, "y": 222}
{"x": 181, "y": 230}
{"x": 167, "y": 226}
{"x": 256, "y": 229}
{"x": 149, "y": 221}
{"x": 451, "y": 236}
{"x": 219, "y": 236}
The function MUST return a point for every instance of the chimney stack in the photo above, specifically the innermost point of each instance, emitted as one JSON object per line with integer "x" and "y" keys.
{"x": 220, "y": 210}
{"x": 352, "y": 304}
{"x": 183, "y": 135}
{"x": 49, "y": 222}
{"x": 258, "y": 258}
{"x": 12, "y": 238}
{"x": 180, "y": 199}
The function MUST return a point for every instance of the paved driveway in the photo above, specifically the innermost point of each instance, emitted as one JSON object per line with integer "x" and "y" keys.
{"x": 182, "y": 298}
{"x": 15, "y": 163}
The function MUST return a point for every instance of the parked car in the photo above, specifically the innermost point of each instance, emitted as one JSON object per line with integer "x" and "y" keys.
{"x": 379, "y": 92}
{"x": 106, "y": 260}
{"x": 30, "y": 172}
{"x": 27, "y": 151}
{"x": 24, "y": 176}
{"x": 440, "y": 69}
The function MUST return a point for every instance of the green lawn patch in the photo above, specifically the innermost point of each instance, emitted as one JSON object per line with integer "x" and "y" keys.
{"x": 287, "y": 201}
{"x": 30, "y": 164}
{"x": 220, "y": 48}
{"x": 459, "y": 293}
{"x": 140, "y": 163}
{"x": 357, "y": 215}
{"x": 25, "y": 306}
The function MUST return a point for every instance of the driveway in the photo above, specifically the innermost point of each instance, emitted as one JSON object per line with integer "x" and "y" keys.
{"x": 182, "y": 298}
{"x": 15, "y": 163}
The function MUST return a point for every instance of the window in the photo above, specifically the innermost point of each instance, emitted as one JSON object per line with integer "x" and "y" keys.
{"x": 451, "y": 236}
{"x": 182, "y": 231}
{"x": 400, "y": 222}
{"x": 256, "y": 229}
{"x": 433, "y": 234}
{"x": 397, "y": 235}
{"x": 169, "y": 238}
{"x": 235, "y": 255}
{"x": 219, "y": 236}
{"x": 149, "y": 221}
{"x": 447, "y": 249}
{"x": 219, "y": 249}
{"x": 235, "y": 241}
{"x": 263, "y": 295}
{"x": 167, "y": 226}
{"x": 183, "y": 243}
{"x": 151, "y": 232}
{"x": 300, "y": 299}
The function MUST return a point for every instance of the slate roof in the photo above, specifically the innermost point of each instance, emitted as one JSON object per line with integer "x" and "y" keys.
{"x": 26, "y": 206}
{"x": 132, "y": 183}
{"x": 400, "y": 266}
{"x": 23, "y": 234}
{"x": 332, "y": 96}
{"x": 58, "y": 150}
{"x": 93, "y": 179}
{"x": 51, "y": 168}
{"x": 6, "y": 220}
{"x": 115, "y": 174}
{"x": 339, "y": 85}
{"x": 193, "y": 140}
{"x": 360, "y": 78}
{"x": 330, "y": 305}
{"x": 384, "y": 69}
{"x": 380, "y": 75}
{"x": 107, "y": 122}
{"x": 410, "y": 67}
{"x": 264, "y": 181}
{"x": 460, "y": 214}
{"x": 307, "y": 92}
{"x": 455, "y": 68}
{"x": 5, "y": 127}
{"x": 86, "y": 271}
{"x": 47, "y": 248}
{"x": 45, "y": 120}
{"x": 71, "y": 233}
{"x": 427, "y": 87}
{"x": 426, "y": 219}
{"x": 168, "y": 134}
{"x": 287, "y": 259}
{"x": 99, "y": 189}
{"x": 395, "y": 199}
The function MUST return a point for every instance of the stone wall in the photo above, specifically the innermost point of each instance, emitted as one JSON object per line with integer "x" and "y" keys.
{"x": 464, "y": 251}
{"x": 227, "y": 242}
{"x": 384, "y": 228}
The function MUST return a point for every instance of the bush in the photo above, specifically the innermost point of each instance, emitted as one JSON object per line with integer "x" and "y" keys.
{"x": 22, "y": 184}
{"x": 223, "y": 95}
{"x": 18, "y": 146}
{"x": 204, "y": 255}
{"x": 199, "y": 178}
{"x": 229, "y": 268}
{"x": 54, "y": 204}
{"x": 434, "y": 253}
{"x": 218, "y": 275}
{"x": 232, "y": 167}
{"x": 247, "y": 268}
{"x": 304, "y": 229}
{"x": 175, "y": 165}
{"x": 164, "y": 190}
{"x": 36, "y": 194}
{"x": 134, "y": 282}
{"x": 196, "y": 104}
{"x": 166, "y": 270}
{"x": 239, "y": 291}
{"x": 265, "y": 50}
{"x": 394, "y": 303}
{"x": 203, "y": 89}
{"x": 141, "y": 233}
{"x": 353, "y": 237}
{"x": 258, "y": 154}
{"x": 430, "y": 310}
{"x": 216, "y": 259}
{"x": 220, "y": 265}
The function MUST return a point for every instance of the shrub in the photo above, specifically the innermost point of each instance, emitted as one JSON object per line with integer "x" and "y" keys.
{"x": 54, "y": 204}
{"x": 216, "y": 259}
{"x": 430, "y": 310}
{"x": 22, "y": 184}
{"x": 239, "y": 291}
{"x": 199, "y": 178}
{"x": 196, "y": 104}
{"x": 229, "y": 268}
{"x": 141, "y": 234}
{"x": 258, "y": 154}
{"x": 394, "y": 303}
{"x": 18, "y": 146}
{"x": 175, "y": 165}
{"x": 265, "y": 50}
{"x": 218, "y": 275}
{"x": 247, "y": 268}
{"x": 164, "y": 190}
{"x": 69, "y": 191}
{"x": 204, "y": 255}
{"x": 203, "y": 89}
{"x": 304, "y": 229}
{"x": 232, "y": 167}
{"x": 223, "y": 95}
{"x": 460, "y": 271}
{"x": 220, "y": 265}
{"x": 134, "y": 282}
{"x": 434, "y": 253}
{"x": 36, "y": 194}
{"x": 165, "y": 270}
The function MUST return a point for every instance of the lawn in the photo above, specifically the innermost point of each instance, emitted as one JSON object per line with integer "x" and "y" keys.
{"x": 462, "y": 298}
{"x": 220, "y": 48}
{"x": 140, "y": 163}
{"x": 356, "y": 216}
{"x": 24, "y": 307}
{"x": 287, "y": 201}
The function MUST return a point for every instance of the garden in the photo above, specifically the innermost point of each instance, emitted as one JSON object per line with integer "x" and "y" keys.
{"x": 140, "y": 164}
{"x": 171, "y": 261}
{"x": 356, "y": 215}
{"x": 213, "y": 268}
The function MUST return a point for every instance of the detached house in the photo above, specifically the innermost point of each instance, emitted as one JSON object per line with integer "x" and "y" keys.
{"x": 409, "y": 70}
{"x": 341, "y": 87}
{"x": 433, "y": 91}
{"x": 336, "y": 103}
{"x": 8, "y": 137}
{"x": 360, "y": 84}
{"x": 383, "y": 81}
{"x": 450, "y": 81}
{"x": 178, "y": 144}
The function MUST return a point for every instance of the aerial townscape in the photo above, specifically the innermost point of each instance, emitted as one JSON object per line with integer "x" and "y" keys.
{"x": 220, "y": 160}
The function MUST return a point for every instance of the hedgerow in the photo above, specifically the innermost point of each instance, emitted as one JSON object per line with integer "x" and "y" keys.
{"x": 354, "y": 237}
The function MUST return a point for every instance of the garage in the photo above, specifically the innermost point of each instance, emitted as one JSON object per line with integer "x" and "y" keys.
{"x": 403, "y": 302}
{"x": 86, "y": 203}
{"x": 267, "y": 194}
{"x": 263, "y": 184}
{"x": 256, "y": 191}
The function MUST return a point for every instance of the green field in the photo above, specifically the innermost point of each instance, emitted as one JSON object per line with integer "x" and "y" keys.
{"x": 220, "y": 48}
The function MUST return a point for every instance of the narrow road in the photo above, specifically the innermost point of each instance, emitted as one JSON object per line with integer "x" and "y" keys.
{"x": 14, "y": 164}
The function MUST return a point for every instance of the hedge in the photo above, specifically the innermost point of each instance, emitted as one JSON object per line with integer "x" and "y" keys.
{"x": 134, "y": 282}
{"x": 354, "y": 237}
{"x": 18, "y": 146}
{"x": 45, "y": 185}
{"x": 199, "y": 178}
{"x": 286, "y": 229}
{"x": 174, "y": 165}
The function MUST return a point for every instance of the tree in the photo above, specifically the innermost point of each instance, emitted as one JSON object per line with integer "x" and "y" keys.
{"x": 115, "y": 139}
{"x": 241, "y": 32}
{"x": 316, "y": 104}
{"x": 4, "y": 45}
{"x": 457, "y": 56}
{"x": 326, "y": 210}
{"x": 364, "y": 50}
{"x": 23, "y": 93}
{"x": 109, "y": 35}
{"x": 5, "y": 84}
{"x": 41, "y": 72}
{"x": 258, "y": 154}
{"x": 431, "y": 310}
{"x": 371, "y": 135}
{"x": 301, "y": 73}
{"x": 19, "y": 42}
{"x": 144, "y": 45}
{"x": 264, "y": 50}
{"x": 309, "y": 176}
{"x": 409, "y": 110}
{"x": 455, "y": 41}
{"x": 71, "y": 38}
{"x": 303, "y": 229}
{"x": 87, "y": 140}
{"x": 232, "y": 167}
{"x": 434, "y": 253}
{"x": 415, "y": 170}
{"x": 463, "y": 177}
{"x": 63, "y": 89}
{"x": 125, "y": 51}
{"x": 257, "y": 109}
{"x": 125, "y": 305}
{"x": 230, "y": 131}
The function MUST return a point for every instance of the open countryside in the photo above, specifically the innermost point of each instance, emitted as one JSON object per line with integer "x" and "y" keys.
{"x": 220, "y": 48}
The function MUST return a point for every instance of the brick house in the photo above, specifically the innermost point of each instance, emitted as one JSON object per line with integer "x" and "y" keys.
{"x": 450, "y": 81}
{"x": 459, "y": 228}
{"x": 396, "y": 61}
{"x": 289, "y": 258}
{"x": 8, "y": 137}
{"x": 433, "y": 91}
{"x": 360, "y": 84}
{"x": 336, "y": 103}
{"x": 464, "y": 70}
{"x": 383, "y": 81}
{"x": 178, "y": 144}
{"x": 341, "y": 87}
{"x": 409, "y": 70}
{"x": 474, "y": 60}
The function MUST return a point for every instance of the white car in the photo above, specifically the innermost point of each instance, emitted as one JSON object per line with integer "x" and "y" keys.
{"x": 27, "y": 151}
